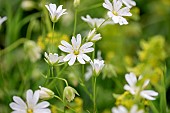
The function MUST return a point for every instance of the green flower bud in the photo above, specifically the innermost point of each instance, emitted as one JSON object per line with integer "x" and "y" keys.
{"x": 69, "y": 93}
{"x": 46, "y": 93}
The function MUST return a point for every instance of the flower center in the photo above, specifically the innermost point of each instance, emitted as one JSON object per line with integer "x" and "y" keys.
{"x": 76, "y": 52}
{"x": 115, "y": 13}
{"x": 29, "y": 111}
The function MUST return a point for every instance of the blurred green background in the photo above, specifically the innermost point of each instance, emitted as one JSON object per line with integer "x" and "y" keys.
{"x": 142, "y": 46}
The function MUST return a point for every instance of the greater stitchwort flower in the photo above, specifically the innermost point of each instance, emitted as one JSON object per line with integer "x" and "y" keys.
{"x": 55, "y": 13}
{"x": 97, "y": 66}
{"x": 53, "y": 58}
{"x": 116, "y": 12}
{"x": 31, "y": 105}
{"x": 96, "y": 22}
{"x": 93, "y": 37}
{"x": 3, "y": 20}
{"x": 122, "y": 109}
{"x": 45, "y": 93}
{"x": 76, "y": 50}
{"x": 135, "y": 90}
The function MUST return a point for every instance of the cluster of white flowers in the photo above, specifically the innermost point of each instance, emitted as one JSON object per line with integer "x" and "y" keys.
{"x": 78, "y": 50}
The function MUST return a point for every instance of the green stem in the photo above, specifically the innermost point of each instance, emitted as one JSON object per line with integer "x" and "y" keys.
{"x": 52, "y": 39}
{"x": 163, "y": 105}
{"x": 58, "y": 98}
{"x": 94, "y": 94}
{"x": 83, "y": 76}
{"x": 59, "y": 79}
{"x": 75, "y": 22}
{"x": 52, "y": 71}
{"x": 154, "y": 109}
{"x": 12, "y": 46}
{"x": 103, "y": 23}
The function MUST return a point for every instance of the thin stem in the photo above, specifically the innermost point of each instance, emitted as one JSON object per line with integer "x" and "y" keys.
{"x": 59, "y": 79}
{"x": 53, "y": 38}
{"x": 75, "y": 22}
{"x": 83, "y": 76}
{"x": 94, "y": 94}
{"x": 58, "y": 98}
{"x": 103, "y": 23}
{"x": 52, "y": 71}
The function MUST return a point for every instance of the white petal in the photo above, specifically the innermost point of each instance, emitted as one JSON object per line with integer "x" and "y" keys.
{"x": 18, "y": 112}
{"x": 80, "y": 59}
{"x": 41, "y": 105}
{"x": 16, "y": 107}
{"x": 130, "y": 89}
{"x": 124, "y": 12}
{"x": 145, "y": 83}
{"x": 88, "y": 50}
{"x": 36, "y": 97}
{"x": 108, "y": 5}
{"x": 148, "y": 94}
{"x": 134, "y": 109}
{"x": 117, "y": 5}
{"x": 42, "y": 111}
{"x": 52, "y": 7}
{"x": 78, "y": 40}
{"x": 131, "y": 79}
{"x": 72, "y": 60}
{"x": 86, "y": 45}
{"x": 122, "y": 21}
{"x": 74, "y": 42}
{"x": 66, "y": 44}
{"x": 68, "y": 57}
{"x": 29, "y": 98}
{"x": 20, "y": 102}
{"x": 64, "y": 49}
{"x": 85, "y": 57}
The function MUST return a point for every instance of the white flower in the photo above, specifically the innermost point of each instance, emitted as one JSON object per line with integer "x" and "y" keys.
{"x": 45, "y": 93}
{"x": 53, "y": 58}
{"x": 55, "y": 12}
{"x": 76, "y": 51}
{"x": 31, "y": 105}
{"x": 115, "y": 12}
{"x": 95, "y": 22}
{"x": 129, "y": 3}
{"x": 97, "y": 66}
{"x": 135, "y": 90}
{"x": 122, "y": 109}
{"x": 3, "y": 20}
{"x": 93, "y": 37}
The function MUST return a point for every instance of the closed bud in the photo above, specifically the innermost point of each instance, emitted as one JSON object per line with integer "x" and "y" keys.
{"x": 76, "y": 3}
{"x": 69, "y": 93}
{"x": 45, "y": 93}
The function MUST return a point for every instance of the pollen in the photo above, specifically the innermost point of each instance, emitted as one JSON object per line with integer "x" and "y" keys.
{"x": 29, "y": 111}
{"x": 76, "y": 52}
{"x": 115, "y": 13}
